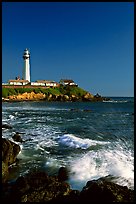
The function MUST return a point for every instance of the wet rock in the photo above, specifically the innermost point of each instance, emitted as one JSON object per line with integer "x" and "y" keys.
{"x": 74, "y": 109}
{"x": 97, "y": 96}
{"x": 63, "y": 174}
{"x": 6, "y": 126}
{"x": 104, "y": 191}
{"x": 38, "y": 187}
{"x": 5, "y": 172}
{"x": 73, "y": 197}
{"x": 10, "y": 151}
{"x": 87, "y": 110}
{"x": 36, "y": 179}
{"x": 16, "y": 137}
{"x": 21, "y": 186}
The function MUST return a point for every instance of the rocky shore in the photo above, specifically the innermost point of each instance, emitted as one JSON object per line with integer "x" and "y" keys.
{"x": 53, "y": 97}
{"x": 38, "y": 186}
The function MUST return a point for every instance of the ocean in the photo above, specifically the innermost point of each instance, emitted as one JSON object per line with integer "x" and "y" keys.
{"x": 90, "y": 139}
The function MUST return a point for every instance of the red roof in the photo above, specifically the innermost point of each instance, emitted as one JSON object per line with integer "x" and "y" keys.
{"x": 67, "y": 80}
{"x": 18, "y": 80}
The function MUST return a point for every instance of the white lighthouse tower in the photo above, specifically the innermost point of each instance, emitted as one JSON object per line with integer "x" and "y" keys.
{"x": 26, "y": 69}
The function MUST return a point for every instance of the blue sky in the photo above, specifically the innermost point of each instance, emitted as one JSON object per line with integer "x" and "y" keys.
{"x": 91, "y": 43}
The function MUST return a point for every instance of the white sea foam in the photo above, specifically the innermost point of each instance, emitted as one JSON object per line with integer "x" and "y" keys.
{"x": 11, "y": 117}
{"x": 71, "y": 140}
{"x": 94, "y": 165}
{"x": 46, "y": 143}
{"x": 114, "y": 101}
{"x": 52, "y": 162}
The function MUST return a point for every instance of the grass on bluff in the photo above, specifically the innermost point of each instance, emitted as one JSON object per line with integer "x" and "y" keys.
{"x": 67, "y": 90}
{"x": 72, "y": 90}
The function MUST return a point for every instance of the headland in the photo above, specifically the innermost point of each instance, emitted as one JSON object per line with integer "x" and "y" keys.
{"x": 11, "y": 93}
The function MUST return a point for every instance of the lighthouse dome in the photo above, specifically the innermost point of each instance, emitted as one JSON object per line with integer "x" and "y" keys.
{"x": 26, "y": 54}
{"x": 26, "y": 51}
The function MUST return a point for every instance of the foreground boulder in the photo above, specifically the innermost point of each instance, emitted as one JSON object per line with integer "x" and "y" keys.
{"x": 102, "y": 190}
{"x": 38, "y": 187}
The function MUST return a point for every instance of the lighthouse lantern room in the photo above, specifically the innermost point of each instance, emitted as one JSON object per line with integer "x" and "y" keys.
{"x": 26, "y": 70}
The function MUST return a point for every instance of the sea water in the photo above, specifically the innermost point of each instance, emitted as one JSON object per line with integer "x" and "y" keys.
{"x": 90, "y": 139}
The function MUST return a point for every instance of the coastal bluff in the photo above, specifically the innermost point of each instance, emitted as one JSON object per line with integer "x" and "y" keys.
{"x": 62, "y": 94}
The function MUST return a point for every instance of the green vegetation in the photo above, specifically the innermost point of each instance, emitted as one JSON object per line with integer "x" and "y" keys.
{"x": 72, "y": 90}
{"x": 67, "y": 90}
{"x": 14, "y": 91}
{"x": 7, "y": 92}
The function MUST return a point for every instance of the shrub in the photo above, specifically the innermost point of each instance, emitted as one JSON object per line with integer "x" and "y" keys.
{"x": 37, "y": 90}
{"x": 5, "y": 92}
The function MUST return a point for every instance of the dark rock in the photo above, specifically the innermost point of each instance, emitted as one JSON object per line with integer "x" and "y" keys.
{"x": 6, "y": 126}
{"x": 63, "y": 174}
{"x": 104, "y": 191}
{"x": 10, "y": 151}
{"x": 106, "y": 99}
{"x": 5, "y": 172}
{"x": 97, "y": 95}
{"x": 87, "y": 110}
{"x": 16, "y": 137}
{"x": 73, "y": 197}
{"x": 38, "y": 187}
{"x": 74, "y": 109}
{"x": 21, "y": 185}
{"x": 36, "y": 179}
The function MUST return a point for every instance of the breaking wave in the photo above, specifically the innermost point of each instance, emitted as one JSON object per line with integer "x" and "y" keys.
{"x": 71, "y": 140}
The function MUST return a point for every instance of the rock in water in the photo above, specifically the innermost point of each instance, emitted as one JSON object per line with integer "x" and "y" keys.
{"x": 16, "y": 137}
{"x": 6, "y": 126}
{"x": 63, "y": 174}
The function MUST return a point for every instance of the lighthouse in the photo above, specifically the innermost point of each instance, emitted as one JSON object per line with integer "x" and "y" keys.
{"x": 26, "y": 69}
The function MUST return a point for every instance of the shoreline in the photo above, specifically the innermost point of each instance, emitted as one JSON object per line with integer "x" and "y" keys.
{"x": 101, "y": 99}
{"x": 39, "y": 186}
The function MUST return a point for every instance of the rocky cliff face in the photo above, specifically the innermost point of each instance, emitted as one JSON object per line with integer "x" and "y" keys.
{"x": 50, "y": 97}
{"x": 28, "y": 96}
{"x": 53, "y": 97}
